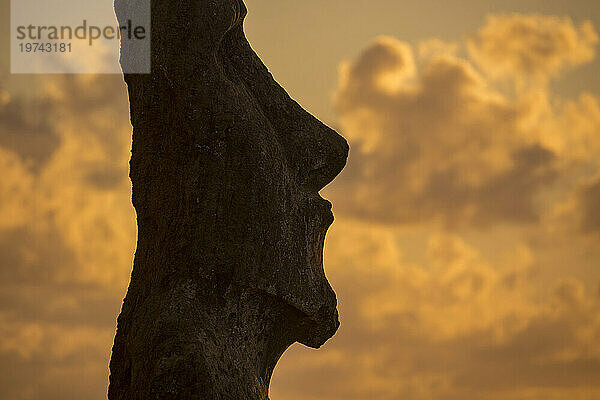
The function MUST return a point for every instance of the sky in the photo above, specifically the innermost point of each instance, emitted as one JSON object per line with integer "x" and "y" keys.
{"x": 465, "y": 252}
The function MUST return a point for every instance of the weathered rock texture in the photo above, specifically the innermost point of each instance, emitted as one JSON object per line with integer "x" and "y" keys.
{"x": 226, "y": 170}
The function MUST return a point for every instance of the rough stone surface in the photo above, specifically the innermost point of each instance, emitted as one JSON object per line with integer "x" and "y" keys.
{"x": 226, "y": 171}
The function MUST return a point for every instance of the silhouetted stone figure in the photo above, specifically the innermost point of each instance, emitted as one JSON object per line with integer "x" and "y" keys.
{"x": 226, "y": 170}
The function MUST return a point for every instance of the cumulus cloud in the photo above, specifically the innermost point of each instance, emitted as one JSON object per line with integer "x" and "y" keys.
{"x": 385, "y": 66}
{"x": 434, "y": 140}
{"x": 432, "y": 305}
{"x": 532, "y": 46}
{"x": 442, "y": 146}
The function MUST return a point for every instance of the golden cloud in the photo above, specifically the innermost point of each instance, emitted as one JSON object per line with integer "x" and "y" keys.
{"x": 532, "y": 46}
{"x": 456, "y": 327}
{"x": 441, "y": 144}
{"x": 445, "y": 146}
{"x": 67, "y": 233}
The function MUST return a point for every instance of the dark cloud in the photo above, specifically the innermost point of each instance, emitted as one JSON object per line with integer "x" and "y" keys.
{"x": 589, "y": 207}
{"x": 25, "y": 129}
{"x": 32, "y": 289}
{"x": 106, "y": 178}
{"x": 32, "y": 258}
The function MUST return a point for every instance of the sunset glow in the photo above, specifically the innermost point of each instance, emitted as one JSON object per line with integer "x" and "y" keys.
{"x": 466, "y": 248}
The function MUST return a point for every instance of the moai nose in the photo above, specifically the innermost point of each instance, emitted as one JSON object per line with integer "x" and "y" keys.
{"x": 323, "y": 154}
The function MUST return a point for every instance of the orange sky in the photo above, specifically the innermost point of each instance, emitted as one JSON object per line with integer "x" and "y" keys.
{"x": 467, "y": 236}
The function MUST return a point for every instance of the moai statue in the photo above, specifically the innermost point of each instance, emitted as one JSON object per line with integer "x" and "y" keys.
{"x": 226, "y": 171}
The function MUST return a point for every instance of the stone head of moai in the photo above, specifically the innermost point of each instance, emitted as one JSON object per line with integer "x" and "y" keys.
{"x": 226, "y": 171}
